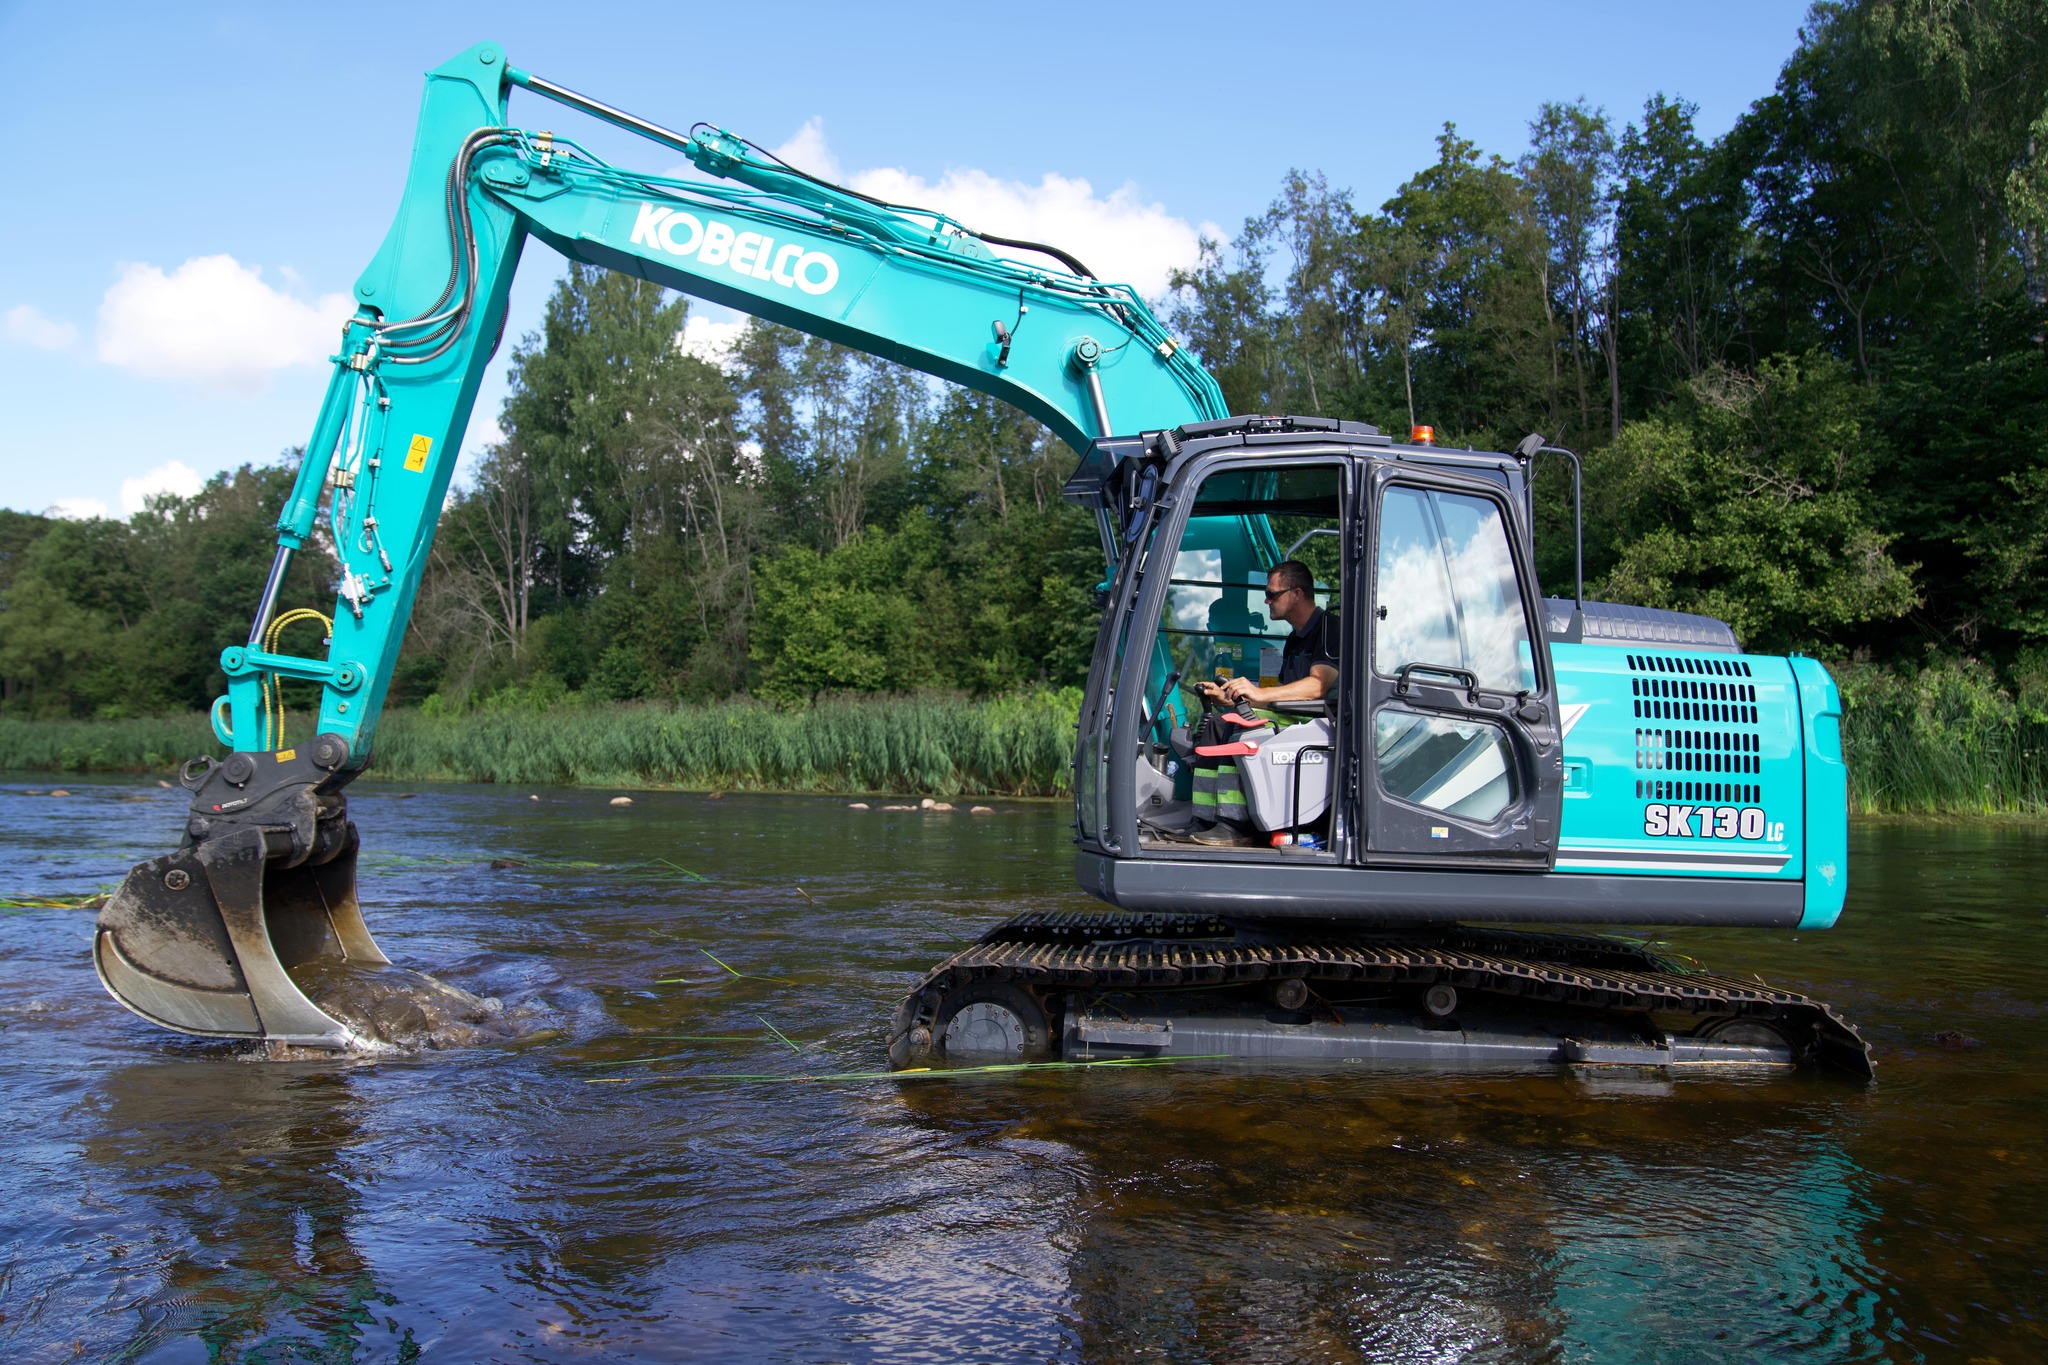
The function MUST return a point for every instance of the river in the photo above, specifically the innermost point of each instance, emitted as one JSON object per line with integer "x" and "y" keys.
{"x": 165, "y": 1199}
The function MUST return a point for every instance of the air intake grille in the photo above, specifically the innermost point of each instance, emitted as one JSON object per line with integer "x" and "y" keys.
{"x": 1707, "y": 746}
{"x": 1667, "y": 688}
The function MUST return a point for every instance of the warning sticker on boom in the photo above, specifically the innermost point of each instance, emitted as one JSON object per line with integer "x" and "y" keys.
{"x": 416, "y": 453}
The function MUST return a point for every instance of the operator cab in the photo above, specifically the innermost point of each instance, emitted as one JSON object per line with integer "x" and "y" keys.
{"x": 1437, "y": 747}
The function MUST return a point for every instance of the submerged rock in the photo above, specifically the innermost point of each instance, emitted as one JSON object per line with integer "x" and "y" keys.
{"x": 404, "y": 1009}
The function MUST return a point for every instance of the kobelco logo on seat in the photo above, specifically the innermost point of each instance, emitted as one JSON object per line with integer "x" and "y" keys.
{"x": 752, "y": 254}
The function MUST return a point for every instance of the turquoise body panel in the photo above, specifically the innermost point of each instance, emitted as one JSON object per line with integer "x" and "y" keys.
{"x": 1680, "y": 763}
{"x": 751, "y": 234}
{"x": 1827, "y": 794}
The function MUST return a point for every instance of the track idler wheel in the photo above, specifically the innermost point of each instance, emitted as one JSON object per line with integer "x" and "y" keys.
{"x": 201, "y": 940}
{"x": 989, "y": 1022}
{"x": 1740, "y": 1032}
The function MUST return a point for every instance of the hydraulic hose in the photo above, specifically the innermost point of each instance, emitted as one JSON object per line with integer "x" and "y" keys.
{"x": 462, "y": 265}
{"x": 273, "y": 686}
{"x": 1062, "y": 257}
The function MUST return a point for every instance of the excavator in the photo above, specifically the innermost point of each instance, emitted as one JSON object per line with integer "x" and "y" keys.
{"x": 1493, "y": 771}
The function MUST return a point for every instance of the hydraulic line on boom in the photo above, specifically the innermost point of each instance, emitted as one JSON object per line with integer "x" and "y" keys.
{"x": 1487, "y": 753}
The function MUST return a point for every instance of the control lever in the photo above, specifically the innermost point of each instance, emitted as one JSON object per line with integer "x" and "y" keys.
{"x": 1157, "y": 717}
{"x": 1165, "y": 691}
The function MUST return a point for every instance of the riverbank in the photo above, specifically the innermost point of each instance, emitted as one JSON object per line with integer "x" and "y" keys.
{"x": 1946, "y": 741}
{"x": 1020, "y": 745}
{"x": 1952, "y": 738}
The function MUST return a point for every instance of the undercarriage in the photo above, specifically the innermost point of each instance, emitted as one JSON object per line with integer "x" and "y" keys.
{"x": 1106, "y": 985}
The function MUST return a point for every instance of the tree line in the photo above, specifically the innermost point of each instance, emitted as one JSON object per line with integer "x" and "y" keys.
{"x": 1804, "y": 362}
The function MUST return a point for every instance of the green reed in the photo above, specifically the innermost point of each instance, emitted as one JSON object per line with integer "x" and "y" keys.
{"x": 144, "y": 744}
{"x": 1949, "y": 738}
{"x": 1020, "y": 745}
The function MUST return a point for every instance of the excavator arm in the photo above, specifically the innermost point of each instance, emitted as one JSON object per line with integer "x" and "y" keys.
{"x": 203, "y": 940}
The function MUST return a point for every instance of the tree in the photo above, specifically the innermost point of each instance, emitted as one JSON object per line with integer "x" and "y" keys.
{"x": 1747, "y": 500}
{"x": 108, "y": 618}
{"x": 1569, "y": 169}
{"x": 874, "y": 614}
{"x": 1680, "y": 289}
{"x": 1223, "y": 310}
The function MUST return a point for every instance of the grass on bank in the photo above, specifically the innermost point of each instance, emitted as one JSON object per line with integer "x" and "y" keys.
{"x": 1950, "y": 738}
{"x": 1019, "y": 745}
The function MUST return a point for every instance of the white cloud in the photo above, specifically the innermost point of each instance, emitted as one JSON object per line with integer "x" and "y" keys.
{"x": 807, "y": 151}
{"x": 484, "y": 432}
{"x": 1120, "y": 235}
{"x": 27, "y": 325}
{"x": 709, "y": 339}
{"x": 173, "y": 477}
{"x": 76, "y": 509}
{"x": 216, "y": 322}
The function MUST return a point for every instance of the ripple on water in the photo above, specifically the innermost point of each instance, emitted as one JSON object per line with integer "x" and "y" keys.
{"x": 467, "y": 1187}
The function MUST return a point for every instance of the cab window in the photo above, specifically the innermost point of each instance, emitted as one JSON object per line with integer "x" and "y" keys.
{"x": 1244, "y": 522}
{"x": 1447, "y": 590}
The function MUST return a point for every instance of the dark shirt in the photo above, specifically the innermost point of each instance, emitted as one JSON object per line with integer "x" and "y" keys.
{"x": 1315, "y": 643}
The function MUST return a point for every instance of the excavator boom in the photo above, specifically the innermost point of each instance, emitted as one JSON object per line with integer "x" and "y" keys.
{"x": 202, "y": 940}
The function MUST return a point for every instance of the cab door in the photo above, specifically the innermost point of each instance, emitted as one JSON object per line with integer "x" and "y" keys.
{"x": 1463, "y": 759}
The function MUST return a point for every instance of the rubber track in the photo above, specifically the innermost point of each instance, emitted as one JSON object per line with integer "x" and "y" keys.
{"x": 1129, "y": 952}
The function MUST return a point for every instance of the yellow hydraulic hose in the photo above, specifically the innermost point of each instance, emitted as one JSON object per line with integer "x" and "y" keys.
{"x": 273, "y": 686}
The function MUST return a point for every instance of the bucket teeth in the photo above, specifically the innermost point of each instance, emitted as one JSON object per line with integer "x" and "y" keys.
{"x": 202, "y": 940}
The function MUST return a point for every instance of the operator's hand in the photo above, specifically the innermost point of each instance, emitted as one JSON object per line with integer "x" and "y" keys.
{"x": 1242, "y": 689}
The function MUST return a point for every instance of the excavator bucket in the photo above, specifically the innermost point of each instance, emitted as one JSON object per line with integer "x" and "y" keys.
{"x": 204, "y": 939}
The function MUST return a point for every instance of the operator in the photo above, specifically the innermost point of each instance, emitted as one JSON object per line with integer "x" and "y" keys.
{"x": 1308, "y": 670}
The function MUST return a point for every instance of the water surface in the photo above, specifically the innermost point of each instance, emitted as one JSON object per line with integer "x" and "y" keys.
{"x": 166, "y": 1199}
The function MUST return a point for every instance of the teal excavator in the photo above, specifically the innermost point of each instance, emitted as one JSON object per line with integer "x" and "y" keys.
{"x": 1488, "y": 757}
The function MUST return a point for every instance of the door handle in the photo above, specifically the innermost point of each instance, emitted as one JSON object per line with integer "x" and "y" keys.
{"x": 1462, "y": 675}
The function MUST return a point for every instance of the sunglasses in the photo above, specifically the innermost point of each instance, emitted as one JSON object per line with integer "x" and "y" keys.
{"x": 1276, "y": 596}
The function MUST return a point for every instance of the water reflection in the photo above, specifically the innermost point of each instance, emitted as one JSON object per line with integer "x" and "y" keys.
{"x": 239, "y": 1169}
{"x": 1230, "y": 1217}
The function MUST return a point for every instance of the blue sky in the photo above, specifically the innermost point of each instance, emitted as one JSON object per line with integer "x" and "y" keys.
{"x": 192, "y": 187}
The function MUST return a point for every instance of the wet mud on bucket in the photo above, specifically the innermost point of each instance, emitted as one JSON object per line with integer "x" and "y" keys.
{"x": 394, "y": 1008}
